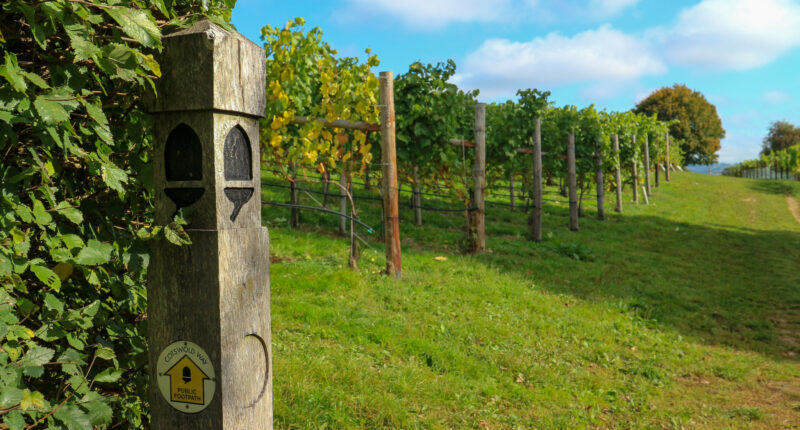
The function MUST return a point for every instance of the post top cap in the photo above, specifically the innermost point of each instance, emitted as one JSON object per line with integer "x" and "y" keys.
{"x": 213, "y": 31}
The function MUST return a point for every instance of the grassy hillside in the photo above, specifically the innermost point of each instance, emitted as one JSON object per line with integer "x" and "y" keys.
{"x": 683, "y": 313}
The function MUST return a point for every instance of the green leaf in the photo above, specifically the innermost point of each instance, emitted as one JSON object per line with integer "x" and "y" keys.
{"x": 114, "y": 177}
{"x": 78, "y": 39}
{"x": 109, "y": 375}
{"x": 10, "y": 396}
{"x": 72, "y": 241}
{"x": 105, "y": 353}
{"x": 138, "y": 24}
{"x": 71, "y": 360}
{"x": 73, "y": 417}
{"x": 176, "y": 236}
{"x": 47, "y": 276}
{"x": 14, "y": 420}
{"x": 94, "y": 253}
{"x": 37, "y": 356}
{"x": 50, "y": 332}
{"x": 51, "y": 112}
{"x": 95, "y": 111}
{"x": 36, "y": 80}
{"x": 11, "y": 71}
{"x": 71, "y": 213}
{"x": 97, "y": 407}
{"x": 53, "y": 303}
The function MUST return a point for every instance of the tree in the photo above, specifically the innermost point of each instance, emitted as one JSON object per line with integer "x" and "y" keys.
{"x": 698, "y": 127}
{"x": 782, "y": 134}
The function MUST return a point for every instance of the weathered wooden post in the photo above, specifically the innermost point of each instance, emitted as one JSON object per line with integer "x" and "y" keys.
{"x": 666, "y": 171}
{"x": 294, "y": 217}
{"x": 573, "y": 183}
{"x": 634, "y": 173}
{"x": 618, "y": 177}
{"x": 343, "y": 200}
{"x": 208, "y": 302}
{"x": 479, "y": 175}
{"x": 536, "y": 213}
{"x": 391, "y": 208}
{"x": 658, "y": 174}
{"x": 647, "y": 188}
{"x": 417, "y": 199}
{"x": 511, "y": 191}
{"x": 601, "y": 189}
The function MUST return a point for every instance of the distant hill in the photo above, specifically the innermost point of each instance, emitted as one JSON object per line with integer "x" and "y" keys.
{"x": 716, "y": 169}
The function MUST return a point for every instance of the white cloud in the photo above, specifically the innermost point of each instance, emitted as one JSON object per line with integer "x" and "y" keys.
{"x": 436, "y": 13}
{"x": 733, "y": 34}
{"x": 603, "y": 56}
{"x": 738, "y": 147}
{"x": 776, "y": 97}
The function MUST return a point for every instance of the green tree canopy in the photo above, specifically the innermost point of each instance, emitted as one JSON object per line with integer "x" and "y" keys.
{"x": 782, "y": 134}
{"x": 698, "y": 126}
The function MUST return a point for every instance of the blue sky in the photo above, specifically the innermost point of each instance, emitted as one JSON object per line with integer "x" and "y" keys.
{"x": 742, "y": 54}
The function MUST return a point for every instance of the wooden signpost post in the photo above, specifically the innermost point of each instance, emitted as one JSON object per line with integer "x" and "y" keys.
{"x": 208, "y": 302}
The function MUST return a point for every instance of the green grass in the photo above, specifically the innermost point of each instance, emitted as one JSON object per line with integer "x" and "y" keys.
{"x": 683, "y": 313}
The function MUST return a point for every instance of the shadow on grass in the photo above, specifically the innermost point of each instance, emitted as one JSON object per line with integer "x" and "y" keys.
{"x": 735, "y": 287}
{"x": 717, "y": 284}
{"x": 776, "y": 187}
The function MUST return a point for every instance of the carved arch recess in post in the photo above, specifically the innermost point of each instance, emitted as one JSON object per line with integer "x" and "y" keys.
{"x": 183, "y": 161}
{"x": 238, "y": 166}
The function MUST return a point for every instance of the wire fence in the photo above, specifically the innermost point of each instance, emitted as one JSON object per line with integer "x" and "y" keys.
{"x": 411, "y": 205}
{"x": 768, "y": 173}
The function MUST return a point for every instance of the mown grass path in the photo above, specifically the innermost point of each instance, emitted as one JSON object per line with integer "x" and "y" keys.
{"x": 683, "y": 313}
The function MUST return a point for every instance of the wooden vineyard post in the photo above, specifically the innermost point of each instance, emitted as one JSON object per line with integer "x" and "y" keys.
{"x": 618, "y": 177}
{"x": 536, "y": 213}
{"x": 511, "y": 191}
{"x": 601, "y": 189}
{"x": 658, "y": 173}
{"x": 635, "y": 174}
{"x": 479, "y": 175}
{"x": 343, "y": 200}
{"x": 391, "y": 209}
{"x": 668, "y": 166}
{"x": 326, "y": 178}
{"x": 208, "y": 310}
{"x": 294, "y": 217}
{"x": 647, "y": 188}
{"x": 573, "y": 184}
{"x": 417, "y": 199}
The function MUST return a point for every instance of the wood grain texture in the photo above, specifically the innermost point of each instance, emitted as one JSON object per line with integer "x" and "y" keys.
{"x": 601, "y": 189}
{"x": 417, "y": 199}
{"x": 206, "y": 67}
{"x": 648, "y": 189}
{"x": 666, "y": 171}
{"x": 573, "y": 183}
{"x": 479, "y": 176}
{"x": 214, "y": 292}
{"x": 635, "y": 174}
{"x": 536, "y": 213}
{"x": 391, "y": 206}
{"x": 618, "y": 176}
